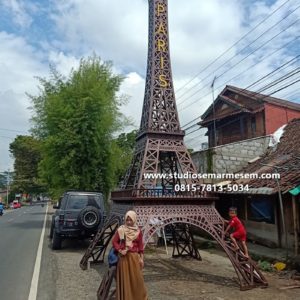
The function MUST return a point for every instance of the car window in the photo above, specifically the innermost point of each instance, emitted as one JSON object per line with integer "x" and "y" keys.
{"x": 81, "y": 201}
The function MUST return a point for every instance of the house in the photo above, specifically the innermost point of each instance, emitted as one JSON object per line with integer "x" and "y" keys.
{"x": 268, "y": 206}
{"x": 244, "y": 122}
{"x": 239, "y": 114}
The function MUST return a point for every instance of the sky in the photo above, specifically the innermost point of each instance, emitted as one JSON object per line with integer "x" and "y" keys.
{"x": 236, "y": 41}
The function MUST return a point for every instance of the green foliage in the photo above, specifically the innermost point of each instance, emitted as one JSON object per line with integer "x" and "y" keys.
{"x": 26, "y": 152}
{"x": 265, "y": 266}
{"x": 190, "y": 150}
{"x": 124, "y": 151}
{"x": 76, "y": 118}
{"x": 2, "y": 181}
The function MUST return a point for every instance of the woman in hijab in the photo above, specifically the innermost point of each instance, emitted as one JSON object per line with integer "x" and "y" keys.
{"x": 128, "y": 242}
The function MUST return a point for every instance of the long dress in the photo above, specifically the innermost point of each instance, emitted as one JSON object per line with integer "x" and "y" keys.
{"x": 130, "y": 280}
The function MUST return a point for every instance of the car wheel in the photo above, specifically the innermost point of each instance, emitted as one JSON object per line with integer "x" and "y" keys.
{"x": 51, "y": 231}
{"x": 56, "y": 241}
{"x": 89, "y": 217}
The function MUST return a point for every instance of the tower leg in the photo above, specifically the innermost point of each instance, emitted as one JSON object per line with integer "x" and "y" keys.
{"x": 183, "y": 242}
{"x": 98, "y": 246}
{"x": 105, "y": 286}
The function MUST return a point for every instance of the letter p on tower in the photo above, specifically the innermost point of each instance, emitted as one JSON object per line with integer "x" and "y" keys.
{"x": 160, "y": 9}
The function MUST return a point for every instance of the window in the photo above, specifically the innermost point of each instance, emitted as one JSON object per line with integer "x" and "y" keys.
{"x": 261, "y": 210}
{"x": 77, "y": 202}
{"x": 81, "y": 201}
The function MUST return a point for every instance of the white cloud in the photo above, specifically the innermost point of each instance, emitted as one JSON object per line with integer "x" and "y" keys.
{"x": 64, "y": 63}
{"x": 118, "y": 30}
{"x": 133, "y": 86}
{"x": 19, "y": 63}
{"x": 19, "y": 11}
{"x": 13, "y": 116}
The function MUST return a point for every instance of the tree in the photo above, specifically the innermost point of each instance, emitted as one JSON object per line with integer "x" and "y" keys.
{"x": 76, "y": 118}
{"x": 26, "y": 152}
{"x": 3, "y": 179}
{"x": 125, "y": 143}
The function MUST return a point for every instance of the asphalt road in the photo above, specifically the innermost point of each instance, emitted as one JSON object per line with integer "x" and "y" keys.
{"x": 20, "y": 232}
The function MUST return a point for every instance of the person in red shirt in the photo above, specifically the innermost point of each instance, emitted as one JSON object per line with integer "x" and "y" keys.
{"x": 239, "y": 233}
{"x": 128, "y": 242}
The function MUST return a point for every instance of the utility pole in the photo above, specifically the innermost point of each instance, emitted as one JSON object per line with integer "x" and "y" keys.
{"x": 214, "y": 116}
{"x": 284, "y": 228}
{"x": 7, "y": 186}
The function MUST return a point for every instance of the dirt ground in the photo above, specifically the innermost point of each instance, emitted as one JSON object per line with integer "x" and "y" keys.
{"x": 166, "y": 278}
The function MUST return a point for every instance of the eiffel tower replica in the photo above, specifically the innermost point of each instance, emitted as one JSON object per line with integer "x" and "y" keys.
{"x": 173, "y": 198}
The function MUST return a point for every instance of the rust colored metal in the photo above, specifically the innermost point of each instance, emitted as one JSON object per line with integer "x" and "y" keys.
{"x": 152, "y": 218}
{"x": 160, "y": 150}
{"x": 159, "y": 145}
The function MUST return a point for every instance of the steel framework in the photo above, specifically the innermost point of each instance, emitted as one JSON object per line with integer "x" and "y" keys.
{"x": 160, "y": 150}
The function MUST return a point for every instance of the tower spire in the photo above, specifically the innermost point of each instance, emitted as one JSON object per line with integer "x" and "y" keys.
{"x": 159, "y": 110}
{"x": 159, "y": 148}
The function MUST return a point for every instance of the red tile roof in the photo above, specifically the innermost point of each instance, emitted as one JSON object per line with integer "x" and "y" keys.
{"x": 284, "y": 159}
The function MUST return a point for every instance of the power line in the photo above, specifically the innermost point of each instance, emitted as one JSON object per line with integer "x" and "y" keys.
{"x": 191, "y": 122}
{"x": 280, "y": 79}
{"x": 193, "y": 131}
{"x": 274, "y": 92}
{"x": 255, "y": 64}
{"x": 190, "y": 127}
{"x": 240, "y": 51}
{"x": 231, "y": 67}
{"x": 254, "y": 93}
{"x": 295, "y": 59}
{"x": 191, "y": 139}
{"x": 237, "y": 64}
{"x": 6, "y": 129}
{"x": 241, "y": 73}
{"x": 238, "y": 75}
{"x": 277, "y": 81}
{"x": 283, "y": 88}
{"x": 216, "y": 59}
{"x": 293, "y": 93}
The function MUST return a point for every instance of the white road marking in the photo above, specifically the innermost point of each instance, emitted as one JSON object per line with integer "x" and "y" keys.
{"x": 10, "y": 220}
{"x": 37, "y": 266}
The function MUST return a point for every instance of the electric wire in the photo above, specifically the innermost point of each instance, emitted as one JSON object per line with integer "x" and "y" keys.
{"x": 240, "y": 51}
{"x": 268, "y": 86}
{"x": 249, "y": 54}
{"x": 238, "y": 75}
{"x": 231, "y": 47}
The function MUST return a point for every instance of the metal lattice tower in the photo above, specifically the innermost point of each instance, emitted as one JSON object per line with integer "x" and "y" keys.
{"x": 159, "y": 145}
{"x": 160, "y": 150}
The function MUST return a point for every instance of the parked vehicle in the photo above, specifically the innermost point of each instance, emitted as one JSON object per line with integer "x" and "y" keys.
{"x": 78, "y": 215}
{"x": 16, "y": 204}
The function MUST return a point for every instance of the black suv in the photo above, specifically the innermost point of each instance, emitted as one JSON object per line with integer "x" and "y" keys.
{"x": 78, "y": 215}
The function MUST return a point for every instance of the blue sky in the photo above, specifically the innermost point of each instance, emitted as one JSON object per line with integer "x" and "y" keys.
{"x": 34, "y": 34}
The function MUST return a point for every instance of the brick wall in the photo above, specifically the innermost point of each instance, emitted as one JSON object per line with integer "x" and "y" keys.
{"x": 231, "y": 157}
{"x": 276, "y": 116}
